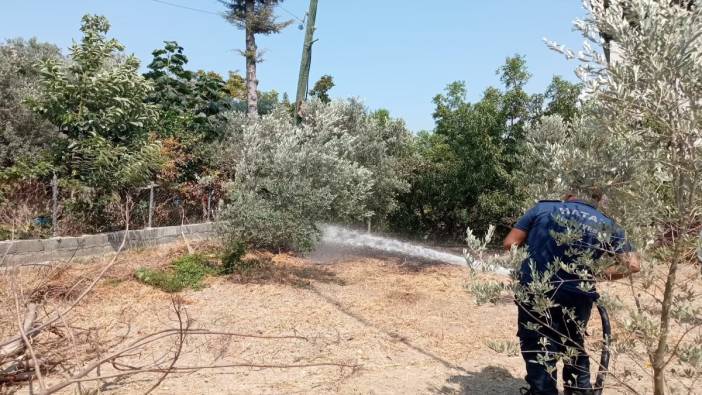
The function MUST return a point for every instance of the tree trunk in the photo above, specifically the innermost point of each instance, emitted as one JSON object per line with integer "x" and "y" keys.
{"x": 251, "y": 51}
{"x": 659, "y": 357}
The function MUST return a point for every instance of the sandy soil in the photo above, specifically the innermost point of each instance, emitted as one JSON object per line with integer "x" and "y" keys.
{"x": 405, "y": 327}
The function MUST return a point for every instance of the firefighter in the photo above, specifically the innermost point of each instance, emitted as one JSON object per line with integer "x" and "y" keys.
{"x": 569, "y": 291}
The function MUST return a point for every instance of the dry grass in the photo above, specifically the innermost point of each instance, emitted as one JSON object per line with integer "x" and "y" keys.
{"x": 408, "y": 326}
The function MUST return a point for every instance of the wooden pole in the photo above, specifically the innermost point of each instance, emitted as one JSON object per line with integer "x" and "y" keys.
{"x": 209, "y": 205}
{"x": 304, "y": 77}
{"x": 151, "y": 203}
{"x": 54, "y": 206}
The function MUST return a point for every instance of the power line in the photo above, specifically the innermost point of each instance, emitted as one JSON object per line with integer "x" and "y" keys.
{"x": 186, "y": 7}
{"x": 291, "y": 14}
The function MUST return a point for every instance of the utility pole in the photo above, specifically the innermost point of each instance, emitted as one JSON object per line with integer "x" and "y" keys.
{"x": 303, "y": 79}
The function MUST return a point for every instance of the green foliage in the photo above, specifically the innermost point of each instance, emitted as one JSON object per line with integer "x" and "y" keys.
{"x": 486, "y": 292}
{"x": 192, "y": 104}
{"x": 236, "y": 86}
{"x": 639, "y": 142}
{"x": 234, "y": 251}
{"x": 563, "y": 97}
{"x": 23, "y": 134}
{"x": 379, "y": 144}
{"x": 322, "y": 87}
{"x": 274, "y": 224}
{"x": 267, "y": 102}
{"x": 99, "y": 93}
{"x": 461, "y": 173}
{"x": 467, "y": 171}
{"x": 185, "y": 272}
{"x": 262, "y": 21}
{"x": 506, "y": 347}
{"x": 192, "y": 108}
{"x": 97, "y": 100}
{"x": 338, "y": 165}
{"x": 290, "y": 177}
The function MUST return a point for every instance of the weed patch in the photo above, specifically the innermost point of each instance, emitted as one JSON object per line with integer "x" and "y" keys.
{"x": 185, "y": 272}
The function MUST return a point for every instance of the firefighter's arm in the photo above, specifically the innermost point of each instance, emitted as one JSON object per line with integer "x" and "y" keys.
{"x": 627, "y": 264}
{"x": 515, "y": 236}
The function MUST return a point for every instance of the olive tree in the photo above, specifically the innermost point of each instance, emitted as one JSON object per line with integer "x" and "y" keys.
{"x": 289, "y": 178}
{"x": 640, "y": 143}
{"x": 341, "y": 164}
{"x": 22, "y": 133}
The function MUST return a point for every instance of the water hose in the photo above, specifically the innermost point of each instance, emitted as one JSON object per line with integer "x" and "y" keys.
{"x": 604, "y": 357}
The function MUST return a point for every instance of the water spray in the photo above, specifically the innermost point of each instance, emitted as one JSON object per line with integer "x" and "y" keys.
{"x": 337, "y": 235}
{"x": 332, "y": 234}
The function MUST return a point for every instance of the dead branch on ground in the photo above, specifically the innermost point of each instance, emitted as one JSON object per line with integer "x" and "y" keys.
{"x": 32, "y": 354}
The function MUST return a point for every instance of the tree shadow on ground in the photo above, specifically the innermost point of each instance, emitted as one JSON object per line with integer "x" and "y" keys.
{"x": 491, "y": 380}
{"x": 395, "y": 336}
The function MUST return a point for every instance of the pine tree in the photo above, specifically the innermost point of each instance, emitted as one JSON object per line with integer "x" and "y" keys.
{"x": 254, "y": 17}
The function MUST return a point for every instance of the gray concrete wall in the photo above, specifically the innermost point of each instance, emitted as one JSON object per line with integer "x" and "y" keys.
{"x": 64, "y": 248}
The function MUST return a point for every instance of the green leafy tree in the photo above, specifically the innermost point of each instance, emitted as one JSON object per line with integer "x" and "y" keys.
{"x": 99, "y": 93}
{"x": 380, "y": 144}
{"x": 472, "y": 181}
{"x": 236, "y": 86}
{"x": 515, "y": 105}
{"x": 98, "y": 101}
{"x": 24, "y": 140}
{"x": 268, "y": 101}
{"x": 192, "y": 108}
{"x": 431, "y": 168}
{"x": 322, "y": 87}
{"x": 254, "y": 17}
{"x": 563, "y": 97}
{"x": 191, "y": 104}
{"x": 466, "y": 171}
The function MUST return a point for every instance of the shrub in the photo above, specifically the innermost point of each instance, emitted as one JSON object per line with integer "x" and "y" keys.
{"x": 291, "y": 177}
{"x": 232, "y": 256}
{"x": 263, "y": 224}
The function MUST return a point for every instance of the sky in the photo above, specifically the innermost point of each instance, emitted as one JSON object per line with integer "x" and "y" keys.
{"x": 393, "y": 54}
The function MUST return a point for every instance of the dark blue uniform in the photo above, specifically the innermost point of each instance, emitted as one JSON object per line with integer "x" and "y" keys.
{"x": 543, "y": 223}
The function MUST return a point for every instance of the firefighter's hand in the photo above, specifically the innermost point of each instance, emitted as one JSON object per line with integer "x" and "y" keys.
{"x": 627, "y": 264}
{"x": 515, "y": 236}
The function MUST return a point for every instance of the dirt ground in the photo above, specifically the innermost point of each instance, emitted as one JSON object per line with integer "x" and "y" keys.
{"x": 381, "y": 325}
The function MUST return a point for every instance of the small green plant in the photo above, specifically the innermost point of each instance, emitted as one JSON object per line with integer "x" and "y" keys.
{"x": 509, "y": 348}
{"x": 185, "y": 272}
{"x": 232, "y": 256}
{"x": 691, "y": 359}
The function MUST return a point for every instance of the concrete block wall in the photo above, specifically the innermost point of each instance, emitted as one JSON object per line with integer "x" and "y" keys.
{"x": 64, "y": 248}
